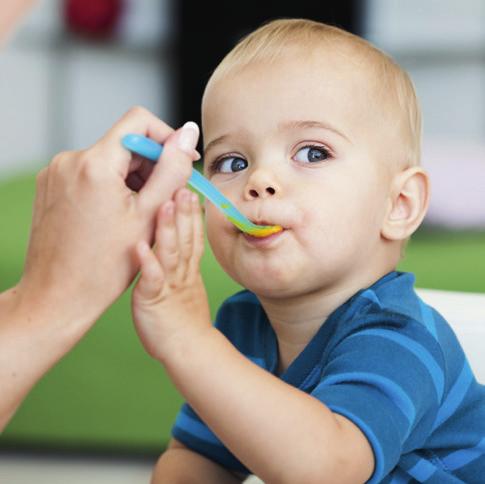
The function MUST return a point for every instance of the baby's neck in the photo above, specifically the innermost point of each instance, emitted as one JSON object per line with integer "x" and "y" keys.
{"x": 295, "y": 320}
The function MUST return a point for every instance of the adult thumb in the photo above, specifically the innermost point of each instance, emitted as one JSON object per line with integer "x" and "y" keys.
{"x": 174, "y": 166}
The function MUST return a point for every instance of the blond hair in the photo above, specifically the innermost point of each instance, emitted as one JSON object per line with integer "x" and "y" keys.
{"x": 393, "y": 85}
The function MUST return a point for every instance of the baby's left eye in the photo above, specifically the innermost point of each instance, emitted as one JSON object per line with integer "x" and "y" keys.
{"x": 312, "y": 154}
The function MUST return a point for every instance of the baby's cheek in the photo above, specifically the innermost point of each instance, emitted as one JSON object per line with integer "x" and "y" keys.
{"x": 312, "y": 225}
{"x": 322, "y": 232}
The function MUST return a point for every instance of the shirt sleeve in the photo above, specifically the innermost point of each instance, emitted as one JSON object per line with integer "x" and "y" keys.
{"x": 389, "y": 381}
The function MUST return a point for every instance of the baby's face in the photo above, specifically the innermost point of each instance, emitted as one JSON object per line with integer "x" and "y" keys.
{"x": 295, "y": 144}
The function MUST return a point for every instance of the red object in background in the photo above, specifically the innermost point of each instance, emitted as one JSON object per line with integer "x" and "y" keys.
{"x": 93, "y": 18}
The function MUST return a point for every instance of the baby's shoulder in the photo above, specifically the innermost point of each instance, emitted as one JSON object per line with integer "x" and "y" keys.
{"x": 398, "y": 315}
{"x": 394, "y": 303}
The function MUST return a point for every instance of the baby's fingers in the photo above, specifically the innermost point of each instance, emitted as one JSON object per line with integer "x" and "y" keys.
{"x": 150, "y": 283}
{"x": 184, "y": 223}
{"x": 167, "y": 242}
{"x": 197, "y": 235}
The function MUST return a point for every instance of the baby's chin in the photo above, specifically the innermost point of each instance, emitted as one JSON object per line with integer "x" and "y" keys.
{"x": 269, "y": 285}
{"x": 275, "y": 293}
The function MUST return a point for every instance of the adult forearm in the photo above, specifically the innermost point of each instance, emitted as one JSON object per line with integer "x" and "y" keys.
{"x": 33, "y": 337}
{"x": 90, "y": 210}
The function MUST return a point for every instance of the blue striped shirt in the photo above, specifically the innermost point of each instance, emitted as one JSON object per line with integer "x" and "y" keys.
{"x": 388, "y": 362}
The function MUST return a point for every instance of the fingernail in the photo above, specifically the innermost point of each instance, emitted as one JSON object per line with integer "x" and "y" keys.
{"x": 188, "y": 137}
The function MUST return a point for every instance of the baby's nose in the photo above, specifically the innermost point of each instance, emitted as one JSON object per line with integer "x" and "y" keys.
{"x": 262, "y": 183}
{"x": 261, "y": 192}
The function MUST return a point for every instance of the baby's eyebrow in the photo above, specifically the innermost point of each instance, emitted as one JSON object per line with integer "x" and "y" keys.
{"x": 286, "y": 126}
{"x": 296, "y": 124}
{"x": 215, "y": 142}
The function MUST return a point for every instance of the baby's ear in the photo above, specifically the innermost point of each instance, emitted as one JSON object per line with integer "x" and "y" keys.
{"x": 407, "y": 204}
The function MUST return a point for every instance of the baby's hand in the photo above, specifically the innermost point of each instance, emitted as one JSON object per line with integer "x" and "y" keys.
{"x": 169, "y": 301}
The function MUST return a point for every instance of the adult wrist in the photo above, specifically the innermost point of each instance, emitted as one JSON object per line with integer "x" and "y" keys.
{"x": 49, "y": 314}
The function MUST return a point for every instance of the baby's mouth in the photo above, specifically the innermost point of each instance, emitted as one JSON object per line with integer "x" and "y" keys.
{"x": 273, "y": 229}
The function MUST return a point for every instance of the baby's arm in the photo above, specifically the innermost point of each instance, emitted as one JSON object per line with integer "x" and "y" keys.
{"x": 179, "y": 464}
{"x": 279, "y": 432}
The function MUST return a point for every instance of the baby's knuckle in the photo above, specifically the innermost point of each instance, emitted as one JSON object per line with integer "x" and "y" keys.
{"x": 191, "y": 278}
{"x": 186, "y": 242}
{"x": 172, "y": 263}
{"x": 173, "y": 252}
{"x": 173, "y": 285}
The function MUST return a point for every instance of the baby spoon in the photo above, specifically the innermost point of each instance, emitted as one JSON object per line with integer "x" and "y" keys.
{"x": 151, "y": 150}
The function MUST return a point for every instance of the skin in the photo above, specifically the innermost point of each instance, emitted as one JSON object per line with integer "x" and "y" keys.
{"x": 333, "y": 211}
{"x": 91, "y": 208}
{"x": 345, "y": 218}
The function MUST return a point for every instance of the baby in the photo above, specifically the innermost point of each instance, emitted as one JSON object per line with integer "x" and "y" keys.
{"x": 327, "y": 368}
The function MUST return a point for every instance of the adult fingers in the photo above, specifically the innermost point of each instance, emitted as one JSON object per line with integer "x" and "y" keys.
{"x": 173, "y": 168}
{"x": 109, "y": 150}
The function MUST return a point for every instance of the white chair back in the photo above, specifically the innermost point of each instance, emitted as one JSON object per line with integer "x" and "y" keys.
{"x": 465, "y": 312}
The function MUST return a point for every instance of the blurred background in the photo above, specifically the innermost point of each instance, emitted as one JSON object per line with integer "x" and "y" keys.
{"x": 74, "y": 67}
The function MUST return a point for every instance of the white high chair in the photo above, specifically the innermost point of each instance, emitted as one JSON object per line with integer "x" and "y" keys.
{"x": 465, "y": 312}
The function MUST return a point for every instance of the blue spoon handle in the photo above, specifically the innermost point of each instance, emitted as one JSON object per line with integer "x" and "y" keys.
{"x": 151, "y": 150}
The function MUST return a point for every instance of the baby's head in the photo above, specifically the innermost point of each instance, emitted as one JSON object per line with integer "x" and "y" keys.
{"x": 314, "y": 129}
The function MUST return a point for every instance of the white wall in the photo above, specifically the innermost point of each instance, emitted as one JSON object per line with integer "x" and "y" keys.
{"x": 441, "y": 44}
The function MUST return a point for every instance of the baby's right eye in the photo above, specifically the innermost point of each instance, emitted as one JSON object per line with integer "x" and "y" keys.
{"x": 229, "y": 164}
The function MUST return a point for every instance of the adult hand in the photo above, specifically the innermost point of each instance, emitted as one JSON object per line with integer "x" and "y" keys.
{"x": 91, "y": 209}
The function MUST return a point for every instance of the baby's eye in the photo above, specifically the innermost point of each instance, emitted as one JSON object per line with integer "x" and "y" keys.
{"x": 230, "y": 164}
{"x": 312, "y": 154}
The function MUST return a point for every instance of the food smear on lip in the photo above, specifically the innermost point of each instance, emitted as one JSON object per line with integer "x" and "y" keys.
{"x": 264, "y": 231}
{"x": 256, "y": 231}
